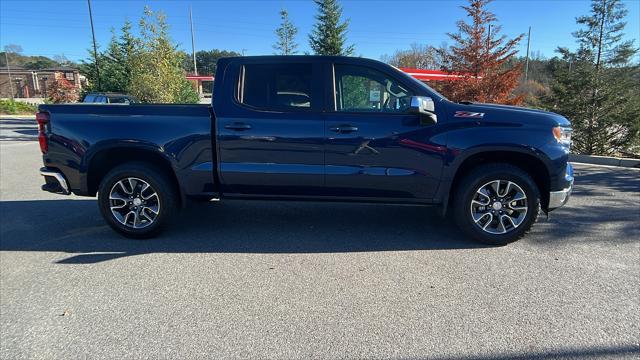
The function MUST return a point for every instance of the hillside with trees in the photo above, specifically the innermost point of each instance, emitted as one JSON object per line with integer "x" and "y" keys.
{"x": 206, "y": 60}
{"x": 13, "y": 53}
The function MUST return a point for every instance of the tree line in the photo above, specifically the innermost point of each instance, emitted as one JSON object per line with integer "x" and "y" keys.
{"x": 146, "y": 65}
{"x": 596, "y": 86}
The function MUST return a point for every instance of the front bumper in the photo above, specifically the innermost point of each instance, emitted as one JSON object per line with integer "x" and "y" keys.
{"x": 55, "y": 181}
{"x": 559, "y": 198}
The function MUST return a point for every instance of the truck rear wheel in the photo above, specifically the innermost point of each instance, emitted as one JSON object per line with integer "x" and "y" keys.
{"x": 496, "y": 203}
{"x": 137, "y": 200}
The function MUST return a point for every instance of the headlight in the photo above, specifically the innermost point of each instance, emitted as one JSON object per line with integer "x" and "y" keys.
{"x": 562, "y": 135}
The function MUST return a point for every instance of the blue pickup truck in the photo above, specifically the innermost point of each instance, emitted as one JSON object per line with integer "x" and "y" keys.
{"x": 312, "y": 128}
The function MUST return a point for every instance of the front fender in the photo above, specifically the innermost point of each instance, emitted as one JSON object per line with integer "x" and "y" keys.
{"x": 466, "y": 139}
{"x": 458, "y": 158}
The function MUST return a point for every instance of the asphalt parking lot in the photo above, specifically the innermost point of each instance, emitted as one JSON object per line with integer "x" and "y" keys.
{"x": 306, "y": 280}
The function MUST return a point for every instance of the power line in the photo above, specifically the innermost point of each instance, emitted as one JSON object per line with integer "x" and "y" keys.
{"x": 45, "y": 25}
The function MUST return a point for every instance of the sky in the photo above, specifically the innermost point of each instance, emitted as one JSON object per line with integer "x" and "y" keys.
{"x": 52, "y": 28}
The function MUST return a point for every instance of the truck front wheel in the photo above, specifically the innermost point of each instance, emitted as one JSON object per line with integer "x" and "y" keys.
{"x": 137, "y": 200}
{"x": 496, "y": 203}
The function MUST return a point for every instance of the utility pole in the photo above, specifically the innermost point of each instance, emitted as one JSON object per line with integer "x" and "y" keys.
{"x": 526, "y": 66}
{"x": 95, "y": 47}
{"x": 489, "y": 39}
{"x": 193, "y": 44}
{"x": 570, "y": 62}
{"x": 6, "y": 56}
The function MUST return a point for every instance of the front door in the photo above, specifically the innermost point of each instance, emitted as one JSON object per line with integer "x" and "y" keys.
{"x": 374, "y": 147}
{"x": 271, "y": 134}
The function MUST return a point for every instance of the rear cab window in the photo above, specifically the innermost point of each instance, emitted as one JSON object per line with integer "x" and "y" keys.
{"x": 277, "y": 87}
{"x": 119, "y": 100}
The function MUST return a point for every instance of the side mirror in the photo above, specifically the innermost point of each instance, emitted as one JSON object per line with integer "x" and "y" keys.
{"x": 425, "y": 108}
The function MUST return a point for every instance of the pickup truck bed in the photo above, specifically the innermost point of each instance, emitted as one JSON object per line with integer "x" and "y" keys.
{"x": 312, "y": 128}
{"x": 88, "y": 140}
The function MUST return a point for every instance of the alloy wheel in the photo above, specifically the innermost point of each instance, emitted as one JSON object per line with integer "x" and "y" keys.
{"x": 499, "y": 207}
{"x": 134, "y": 203}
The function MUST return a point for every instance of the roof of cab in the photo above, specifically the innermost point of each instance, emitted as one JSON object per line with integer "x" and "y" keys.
{"x": 311, "y": 58}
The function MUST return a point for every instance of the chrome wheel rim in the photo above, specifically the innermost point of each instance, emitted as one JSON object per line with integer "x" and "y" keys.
{"x": 499, "y": 207}
{"x": 134, "y": 203}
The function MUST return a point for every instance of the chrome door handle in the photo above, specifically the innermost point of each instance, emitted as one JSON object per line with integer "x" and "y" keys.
{"x": 238, "y": 126}
{"x": 343, "y": 129}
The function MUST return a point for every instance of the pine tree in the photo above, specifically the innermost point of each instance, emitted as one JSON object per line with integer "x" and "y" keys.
{"x": 115, "y": 63}
{"x": 595, "y": 87}
{"x": 286, "y": 44}
{"x": 128, "y": 48}
{"x": 113, "y": 74}
{"x": 87, "y": 68}
{"x": 479, "y": 55}
{"x": 328, "y": 36}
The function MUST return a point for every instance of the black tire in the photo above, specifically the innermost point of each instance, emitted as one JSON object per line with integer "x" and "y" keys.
{"x": 473, "y": 181}
{"x": 160, "y": 183}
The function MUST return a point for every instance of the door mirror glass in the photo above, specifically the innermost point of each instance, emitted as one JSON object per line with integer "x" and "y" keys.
{"x": 425, "y": 108}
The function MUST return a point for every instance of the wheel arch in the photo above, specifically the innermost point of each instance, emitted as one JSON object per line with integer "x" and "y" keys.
{"x": 106, "y": 159}
{"x": 529, "y": 161}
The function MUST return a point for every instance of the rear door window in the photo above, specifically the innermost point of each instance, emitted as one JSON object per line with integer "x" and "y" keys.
{"x": 89, "y": 98}
{"x": 279, "y": 87}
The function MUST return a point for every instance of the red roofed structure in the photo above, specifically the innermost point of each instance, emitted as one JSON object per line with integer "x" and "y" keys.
{"x": 420, "y": 74}
{"x": 433, "y": 75}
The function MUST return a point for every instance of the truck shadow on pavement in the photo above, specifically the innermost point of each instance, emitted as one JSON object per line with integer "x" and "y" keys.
{"x": 18, "y": 129}
{"x": 76, "y": 227}
{"x": 604, "y": 210}
{"x": 613, "y": 352}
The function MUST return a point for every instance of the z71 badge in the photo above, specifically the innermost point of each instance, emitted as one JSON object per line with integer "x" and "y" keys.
{"x": 469, "y": 114}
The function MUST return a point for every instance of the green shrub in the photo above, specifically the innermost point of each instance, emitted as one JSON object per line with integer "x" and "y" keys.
{"x": 12, "y": 107}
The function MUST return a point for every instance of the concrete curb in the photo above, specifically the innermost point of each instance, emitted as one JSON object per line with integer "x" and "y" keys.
{"x": 604, "y": 160}
{"x": 6, "y": 116}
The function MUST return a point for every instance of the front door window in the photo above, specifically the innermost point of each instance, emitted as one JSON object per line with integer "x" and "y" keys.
{"x": 361, "y": 89}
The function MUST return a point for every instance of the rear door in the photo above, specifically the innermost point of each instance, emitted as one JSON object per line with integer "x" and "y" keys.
{"x": 374, "y": 147}
{"x": 270, "y": 130}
